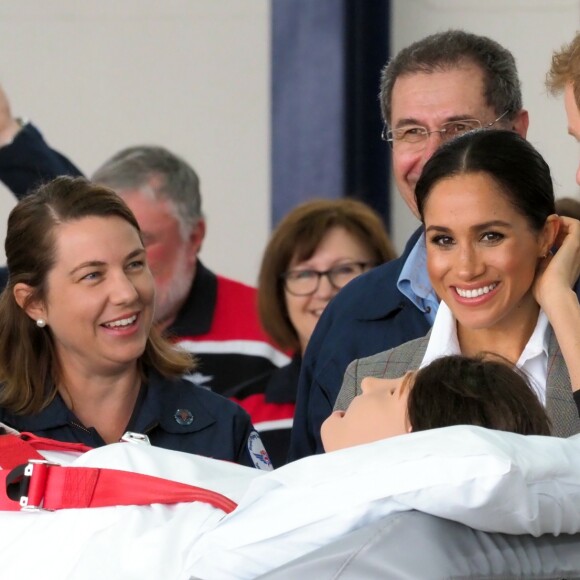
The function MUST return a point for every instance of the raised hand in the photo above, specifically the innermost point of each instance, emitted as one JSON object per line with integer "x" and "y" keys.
{"x": 553, "y": 290}
{"x": 9, "y": 126}
{"x": 558, "y": 272}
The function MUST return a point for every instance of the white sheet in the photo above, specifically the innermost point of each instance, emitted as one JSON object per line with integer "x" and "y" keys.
{"x": 489, "y": 480}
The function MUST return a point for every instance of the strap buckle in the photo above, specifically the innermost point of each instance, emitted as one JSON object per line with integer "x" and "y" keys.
{"x": 27, "y": 484}
{"x": 134, "y": 437}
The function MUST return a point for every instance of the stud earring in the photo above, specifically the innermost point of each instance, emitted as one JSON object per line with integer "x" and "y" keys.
{"x": 41, "y": 323}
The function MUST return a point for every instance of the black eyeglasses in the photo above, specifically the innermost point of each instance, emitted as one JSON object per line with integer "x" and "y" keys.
{"x": 415, "y": 136}
{"x": 306, "y": 282}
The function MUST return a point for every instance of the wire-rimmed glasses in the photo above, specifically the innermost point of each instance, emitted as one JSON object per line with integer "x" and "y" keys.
{"x": 415, "y": 136}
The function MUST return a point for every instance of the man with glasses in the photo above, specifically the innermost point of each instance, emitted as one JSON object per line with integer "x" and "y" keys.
{"x": 435, "y": 89}
{"x": 417, "y": 135}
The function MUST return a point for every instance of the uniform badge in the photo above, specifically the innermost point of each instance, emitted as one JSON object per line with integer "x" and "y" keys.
{"x": 258, "y": 452}
{"x": 183, "y": 417}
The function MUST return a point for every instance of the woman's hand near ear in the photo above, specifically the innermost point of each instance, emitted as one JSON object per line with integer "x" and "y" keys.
{"x": 553, "y": 290}
{"x": 558, "y": 271}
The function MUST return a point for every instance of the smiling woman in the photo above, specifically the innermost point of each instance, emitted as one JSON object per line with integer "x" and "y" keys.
{"x": 99, "y": 309}
{"x": 79, "y": 358}
{"x": 318, "y": 248}
{"x": 487, "y": 205}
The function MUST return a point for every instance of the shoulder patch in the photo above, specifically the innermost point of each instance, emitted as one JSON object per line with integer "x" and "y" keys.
{"x": 258, "y": 453}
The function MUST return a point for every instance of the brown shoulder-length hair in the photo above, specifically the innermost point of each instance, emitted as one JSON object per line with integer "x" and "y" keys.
{"x": 29, "y": 369}
{"x": 296, "y": 238}
{"x": 486, "y": 390}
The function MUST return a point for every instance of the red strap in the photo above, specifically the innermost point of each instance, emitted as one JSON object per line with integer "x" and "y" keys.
{"x": 51, "y": 444}
{"x": 14, "y": 451}
{"x": 55, "y": 487}
{"x": 80, "y": 487}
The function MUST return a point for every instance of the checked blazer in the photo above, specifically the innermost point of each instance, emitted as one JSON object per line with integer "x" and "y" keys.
{"x": 395, "y": 362}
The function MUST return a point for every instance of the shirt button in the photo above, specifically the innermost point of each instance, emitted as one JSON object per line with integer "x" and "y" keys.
{"x": 183, "y": 417}
{"x": 428, "y": 309}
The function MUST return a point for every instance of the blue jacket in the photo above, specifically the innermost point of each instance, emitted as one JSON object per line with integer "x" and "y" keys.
{"x": 28, "y": 161}
{"x": 369, "y": 315}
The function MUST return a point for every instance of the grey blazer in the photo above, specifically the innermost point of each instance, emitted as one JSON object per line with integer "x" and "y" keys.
{"x": 395, "y": 362}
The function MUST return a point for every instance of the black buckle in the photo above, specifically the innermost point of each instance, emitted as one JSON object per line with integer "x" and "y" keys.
{"x": 18, "y": 483}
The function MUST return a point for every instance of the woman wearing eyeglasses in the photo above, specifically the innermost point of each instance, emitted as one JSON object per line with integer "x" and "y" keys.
{"x": 316, "y": 249}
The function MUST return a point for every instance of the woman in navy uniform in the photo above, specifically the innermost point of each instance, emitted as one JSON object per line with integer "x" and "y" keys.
{"x": 79, "y": 359}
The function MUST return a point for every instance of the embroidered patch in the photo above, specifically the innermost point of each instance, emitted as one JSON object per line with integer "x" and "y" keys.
{"x": 183, "y": 417}
{"x": 258, "y": 452}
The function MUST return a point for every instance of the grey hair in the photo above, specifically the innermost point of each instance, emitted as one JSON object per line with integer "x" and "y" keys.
{"x": 451, "y": 49}
{"x": 135, "y": 167}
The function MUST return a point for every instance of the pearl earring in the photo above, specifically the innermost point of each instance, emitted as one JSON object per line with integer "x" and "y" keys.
{"x": 41, "y": 323}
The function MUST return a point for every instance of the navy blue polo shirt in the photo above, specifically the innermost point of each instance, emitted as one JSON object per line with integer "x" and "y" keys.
{"x": 173, "y": 413}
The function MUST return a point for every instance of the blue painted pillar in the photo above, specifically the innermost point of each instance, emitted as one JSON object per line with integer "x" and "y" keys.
{"x": 326, "y": 125}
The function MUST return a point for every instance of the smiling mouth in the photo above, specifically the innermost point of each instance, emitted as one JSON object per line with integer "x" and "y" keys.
{"x": 476, "y": 292}
{"x": 121, "y": 323}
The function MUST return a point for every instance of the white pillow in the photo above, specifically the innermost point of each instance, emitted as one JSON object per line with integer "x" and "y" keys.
{"x": 489, "y": 480}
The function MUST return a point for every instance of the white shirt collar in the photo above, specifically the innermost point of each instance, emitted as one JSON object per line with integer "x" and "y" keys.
{"x": 534, "y": 358}
{"x": 538, "y": 343}
{"x": 533, "y": 361}
{"x": 443, "y": 340}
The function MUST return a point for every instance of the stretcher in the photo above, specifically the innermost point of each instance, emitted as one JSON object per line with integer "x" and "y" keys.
{"x": 414, "y": 545}
{"x": 523, "y": 492}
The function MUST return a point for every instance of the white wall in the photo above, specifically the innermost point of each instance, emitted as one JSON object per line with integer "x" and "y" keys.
{"x": 193, "y": 75}
{"x": 531, "y": 30}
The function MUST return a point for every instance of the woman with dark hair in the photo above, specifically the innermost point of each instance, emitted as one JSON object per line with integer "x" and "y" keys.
{"x": 314, "y": 251}
{"x": 487, "y": 205}
{"x": 79, "y": 358}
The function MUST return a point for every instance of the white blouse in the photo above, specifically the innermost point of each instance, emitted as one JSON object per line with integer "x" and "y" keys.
{"x": 533, "y": 361}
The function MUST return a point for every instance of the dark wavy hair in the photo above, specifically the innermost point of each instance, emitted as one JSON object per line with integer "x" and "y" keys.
{"x": 487, "y": 391}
